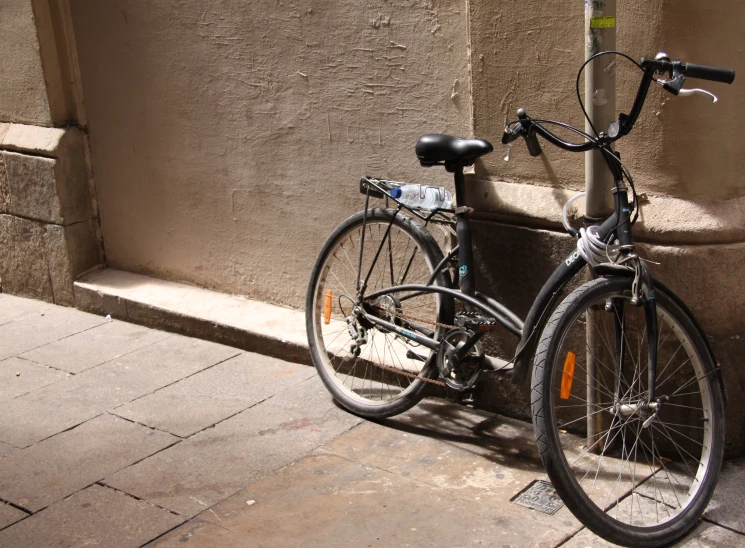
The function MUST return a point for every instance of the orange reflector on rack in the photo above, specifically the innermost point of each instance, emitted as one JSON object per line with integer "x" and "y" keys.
{"x": 568, "y": 376}
{"x": 327, "y": 302}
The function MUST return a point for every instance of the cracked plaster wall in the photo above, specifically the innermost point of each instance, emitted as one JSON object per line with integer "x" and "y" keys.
{"x": 228, "y": 137}
{"x": 683, "y": 147}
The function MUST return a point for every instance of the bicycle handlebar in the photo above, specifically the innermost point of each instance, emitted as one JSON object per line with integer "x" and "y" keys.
{"x": 662, "y": 64}
{"x": 528, "y": 128}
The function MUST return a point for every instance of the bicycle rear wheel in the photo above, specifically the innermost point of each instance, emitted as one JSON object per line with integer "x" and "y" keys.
{"x": 371, "y": 371}
{"x": 635, "y": 475}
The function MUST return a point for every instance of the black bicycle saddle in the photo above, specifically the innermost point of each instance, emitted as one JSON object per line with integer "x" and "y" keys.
{"x": 438, "y": 149}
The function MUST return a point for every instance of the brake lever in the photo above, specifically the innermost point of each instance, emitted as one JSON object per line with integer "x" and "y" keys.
{"x": 670, "y": 86}
{"x": 693, "y": 91}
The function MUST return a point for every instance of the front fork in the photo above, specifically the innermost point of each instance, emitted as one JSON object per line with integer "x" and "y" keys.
{"x": 642, "y": 288}
{"x": 642, "y": 294}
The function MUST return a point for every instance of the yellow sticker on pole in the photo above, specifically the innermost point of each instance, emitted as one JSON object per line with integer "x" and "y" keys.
{"x": 603, "y": 22}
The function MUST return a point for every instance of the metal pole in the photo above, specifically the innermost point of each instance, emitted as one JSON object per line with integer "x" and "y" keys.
{"x": 600, "y": 102}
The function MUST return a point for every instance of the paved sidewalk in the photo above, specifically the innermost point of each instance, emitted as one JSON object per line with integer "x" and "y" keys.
{"x": 112, "y": 434}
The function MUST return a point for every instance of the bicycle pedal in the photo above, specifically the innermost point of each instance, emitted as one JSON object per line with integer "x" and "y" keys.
{"x": 471, "y": 396}
{"x": 474, "y": 321}
{"x": 414, "y": 356}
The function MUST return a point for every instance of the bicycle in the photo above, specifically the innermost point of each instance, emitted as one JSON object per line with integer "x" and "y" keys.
{"x": 626, "y": 394}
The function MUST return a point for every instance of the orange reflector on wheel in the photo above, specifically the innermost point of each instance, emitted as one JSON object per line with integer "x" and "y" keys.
{"x": 568, "y": 376}
{"x": 327, "y": 307}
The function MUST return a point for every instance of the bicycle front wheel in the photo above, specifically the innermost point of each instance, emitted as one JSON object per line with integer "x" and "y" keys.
{"x": 371, "y": 371}
{"x": 635, "y": 474}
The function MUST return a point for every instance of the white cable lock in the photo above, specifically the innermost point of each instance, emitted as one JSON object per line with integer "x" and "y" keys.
{"x": 593, "y": 249}
{"x": 590, "y": 247}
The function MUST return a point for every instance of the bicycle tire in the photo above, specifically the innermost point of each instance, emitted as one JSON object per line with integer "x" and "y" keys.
{"x": 681, "y": 446}
{"x": 385, "y": 379}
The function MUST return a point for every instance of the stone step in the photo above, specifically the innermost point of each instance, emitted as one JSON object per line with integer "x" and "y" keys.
{"x": 196, "y": 312}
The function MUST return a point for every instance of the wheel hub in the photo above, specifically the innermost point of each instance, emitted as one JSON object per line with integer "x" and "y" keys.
{"x": 388, "y": 307}
{"x": 639, "y": 409}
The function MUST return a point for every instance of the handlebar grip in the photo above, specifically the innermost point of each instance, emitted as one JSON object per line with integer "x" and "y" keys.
{"x": 714, "y": 74}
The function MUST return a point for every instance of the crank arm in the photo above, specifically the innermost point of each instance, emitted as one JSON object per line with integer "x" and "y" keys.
{"x": 414, "y": 356}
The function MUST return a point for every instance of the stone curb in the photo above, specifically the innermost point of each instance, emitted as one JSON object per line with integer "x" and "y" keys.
{"x": 196, "y": 312}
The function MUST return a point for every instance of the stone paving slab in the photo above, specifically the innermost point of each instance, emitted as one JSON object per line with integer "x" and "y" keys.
{"x": 38, "y": 329}
{"x": 197, "y": 533}
{"x": 10, "y": 515}
{"x": 489, "y": 479}
{"x": 96, "y": 516}
{"x": 449, "y": 471}
{"x": 211, "y": 396}
{"x": 6, "y": 449}
{"x": 101, "y": 344}
{"x": 497, "y": 438}
{"x": 61, "y": 465}
{"x": 13, "y": 308}
{"x": 326, "y": 500}
{"x": 18, "y": 377}
{"x": 727, "y": 506}
{"x": 705, "y": 535}
{"x": 52, "y": 409}
{"x": 212, "y": 465}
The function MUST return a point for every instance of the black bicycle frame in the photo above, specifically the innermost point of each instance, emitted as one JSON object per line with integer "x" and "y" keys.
{"x": 618, "y": 224}
{"x": 529, "y": 330}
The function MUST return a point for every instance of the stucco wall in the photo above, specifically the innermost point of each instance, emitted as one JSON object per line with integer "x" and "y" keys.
{"x": 684, "y": 153}
{"x": 228, "y": 137}
{"x": 685, "y": 147}
{"x": 23, "y": 96}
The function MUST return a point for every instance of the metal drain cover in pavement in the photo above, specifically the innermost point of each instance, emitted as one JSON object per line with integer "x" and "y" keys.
{"x": 539, "y": 495}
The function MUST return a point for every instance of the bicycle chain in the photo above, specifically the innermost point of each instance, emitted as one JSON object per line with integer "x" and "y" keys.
{"x": 410, "y": 375}
{"x": 415, "y": 319}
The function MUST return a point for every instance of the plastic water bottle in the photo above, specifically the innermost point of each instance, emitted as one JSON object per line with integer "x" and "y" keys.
{"x": 423, "y": 196}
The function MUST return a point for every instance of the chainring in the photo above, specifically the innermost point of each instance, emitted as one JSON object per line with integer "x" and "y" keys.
{"x": 463, "y": 374}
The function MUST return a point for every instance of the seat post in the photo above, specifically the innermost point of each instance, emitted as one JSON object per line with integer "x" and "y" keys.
{"x": 460, "y": 182}
{"x": 463, "y": 230}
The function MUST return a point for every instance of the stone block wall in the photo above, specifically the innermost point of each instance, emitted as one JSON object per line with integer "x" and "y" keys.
{"x": 48, "y": 227}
